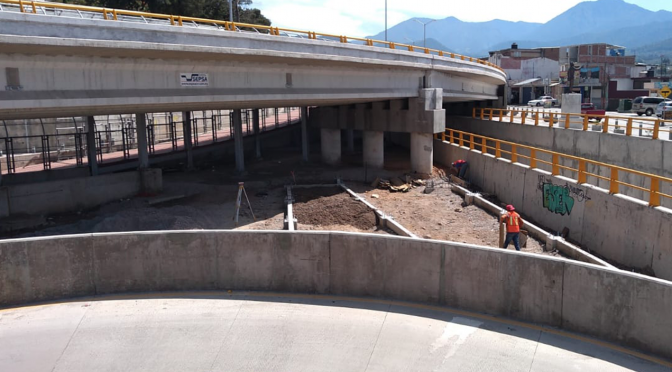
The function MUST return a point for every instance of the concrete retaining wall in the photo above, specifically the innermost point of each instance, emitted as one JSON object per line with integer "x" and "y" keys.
{"x": 621, "y": 307}
{"x": 619, "y": 228}
{"x": 642, "y": 154}
{"x": 46, "y": 198}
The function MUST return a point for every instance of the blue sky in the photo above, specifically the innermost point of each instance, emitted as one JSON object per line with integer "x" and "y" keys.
{"x": 367, "y": 17}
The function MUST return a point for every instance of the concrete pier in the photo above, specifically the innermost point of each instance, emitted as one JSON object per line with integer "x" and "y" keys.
{"x": 91, "y": 145}
{"x": 141, "y": 129}
{"x": 374, "y": 156}
{"x": 304, "y": 133}
{"x": 331, "y": 146}
{"x": 238, "y": 140}
{"x": 422, "y": 152}
{"x": 188, "y": 144}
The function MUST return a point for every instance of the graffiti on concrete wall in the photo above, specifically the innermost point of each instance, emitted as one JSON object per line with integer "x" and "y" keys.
{"x": 560, "y": 199}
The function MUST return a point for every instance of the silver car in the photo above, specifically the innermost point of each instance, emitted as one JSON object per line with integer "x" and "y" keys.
{"x": 665, "y": 106}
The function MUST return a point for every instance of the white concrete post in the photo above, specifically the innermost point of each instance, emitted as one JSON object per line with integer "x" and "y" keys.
{"x": 255, "y": 125}
{"x": 571, "y": 104}
{"x": 422, "y": 153}
{"x": 186, "y": 131}
{"x": 238, "y": 141}
{"x": 304, "y": 133}
{"x": 331, "y": 146}
{"x": 141, "y": 129}
{"x": 374, "y": 156}
{"x": 91, "y": 145}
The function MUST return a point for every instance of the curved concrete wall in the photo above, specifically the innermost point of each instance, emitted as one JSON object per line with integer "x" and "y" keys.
{"x": 621, "y": 307}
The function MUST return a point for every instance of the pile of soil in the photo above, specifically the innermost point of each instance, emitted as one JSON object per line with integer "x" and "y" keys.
{"x": 331, "y": 207}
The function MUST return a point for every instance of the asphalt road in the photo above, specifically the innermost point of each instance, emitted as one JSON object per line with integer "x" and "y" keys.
{"x": 270, "y": 332}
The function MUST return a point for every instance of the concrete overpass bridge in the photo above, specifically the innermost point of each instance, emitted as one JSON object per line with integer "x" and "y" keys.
{"x": 61, "y": 60}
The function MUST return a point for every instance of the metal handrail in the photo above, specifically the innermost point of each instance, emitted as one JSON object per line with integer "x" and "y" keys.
{"x": 30, "y": 7}
{"x": 474, "y": 141}
{"x": 565, "y": 119}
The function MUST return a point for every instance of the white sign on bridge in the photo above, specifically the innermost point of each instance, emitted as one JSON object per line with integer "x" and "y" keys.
{"x": 193, "y": 79}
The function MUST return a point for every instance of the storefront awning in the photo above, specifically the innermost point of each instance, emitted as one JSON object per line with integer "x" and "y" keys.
{"x": 526, "y": 82}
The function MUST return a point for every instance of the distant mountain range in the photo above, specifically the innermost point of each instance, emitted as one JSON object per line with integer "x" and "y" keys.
{"x": 642, "y": 32}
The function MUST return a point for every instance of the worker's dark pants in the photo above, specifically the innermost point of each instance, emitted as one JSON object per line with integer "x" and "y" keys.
{"x": 509, "y": 238}
{"x": 463, "y": 170}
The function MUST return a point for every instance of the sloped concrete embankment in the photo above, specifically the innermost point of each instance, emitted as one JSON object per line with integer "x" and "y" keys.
{"x": 629, "y": 309}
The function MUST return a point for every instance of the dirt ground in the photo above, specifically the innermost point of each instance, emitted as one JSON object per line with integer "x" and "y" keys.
{"x": 439, "y": 215}
{"x": 332, "y": 209}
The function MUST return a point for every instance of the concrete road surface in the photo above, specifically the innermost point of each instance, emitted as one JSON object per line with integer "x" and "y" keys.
{"x": 271, "y": 332}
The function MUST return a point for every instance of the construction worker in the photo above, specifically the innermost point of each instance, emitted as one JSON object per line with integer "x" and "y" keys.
{"x": 460, "y": 168}
{"x": 513, "y": 224}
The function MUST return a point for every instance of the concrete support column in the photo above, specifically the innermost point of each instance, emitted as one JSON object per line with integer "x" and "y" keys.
{"x": 238, "y": 140}
{"x": 255, "y": 127}
{"x": 141, "y": 133}
{"x": 188, "y": 144}
{"x": 331, "y": 146}
{"x": 374, "y": 149}
{"x": 350, "y": 141}
{"x": 91, "y": 145}
{"x": 304, "y": 133}
{"x": 422, "y": 152}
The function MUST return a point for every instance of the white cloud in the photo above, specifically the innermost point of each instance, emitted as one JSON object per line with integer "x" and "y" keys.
{"x": 367, "y": 17}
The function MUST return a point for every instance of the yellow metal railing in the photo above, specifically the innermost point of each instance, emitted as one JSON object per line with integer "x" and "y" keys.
{"x": 556, "y": 164}
{"x": 113, "y": 15}
{"x": 550, "y": 118}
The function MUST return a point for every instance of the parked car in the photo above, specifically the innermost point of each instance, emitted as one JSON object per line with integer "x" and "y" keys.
{"x": 542, "y": 100}
{"x": 665, "y": 106}
{"x": 589, "y": 109}
{"x": 646, "y": 105}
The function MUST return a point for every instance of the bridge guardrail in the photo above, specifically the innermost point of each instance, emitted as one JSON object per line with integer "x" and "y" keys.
{"x": 654, "y": 126}
{"x": 173, "y": 20}
{"x": 477, "y": 142}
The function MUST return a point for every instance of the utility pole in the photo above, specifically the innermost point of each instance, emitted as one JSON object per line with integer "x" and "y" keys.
{"x": 424, "y": 31}
{"x": 385, "y": 20}
{"x": 230, "y": 10}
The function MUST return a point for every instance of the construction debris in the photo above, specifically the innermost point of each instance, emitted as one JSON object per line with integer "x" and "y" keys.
{"x": 397, "y": 184}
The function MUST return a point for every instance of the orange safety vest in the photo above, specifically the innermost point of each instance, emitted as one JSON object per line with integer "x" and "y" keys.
{"x": 513, "y": 221}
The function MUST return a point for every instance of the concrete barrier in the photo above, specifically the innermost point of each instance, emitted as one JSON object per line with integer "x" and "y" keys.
{"x": 616, "y": 227}
{"x": 53, "y": 197}
{"x": 629, "y": 309}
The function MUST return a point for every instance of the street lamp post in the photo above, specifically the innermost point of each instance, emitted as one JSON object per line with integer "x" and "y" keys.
{"x": 230, "y": 10}
{"x": 424, "y": 31}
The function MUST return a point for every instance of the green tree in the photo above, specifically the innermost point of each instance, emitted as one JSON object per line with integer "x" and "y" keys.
{"x": 211, "y": 9}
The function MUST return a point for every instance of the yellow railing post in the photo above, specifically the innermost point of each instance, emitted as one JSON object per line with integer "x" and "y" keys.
{"x": 32, "y": 3}
{"x": 514, "y": 154}
{"x": 498, "y": 149}
{"x": 654, "y": 195}
{"x": 613, "y": 181}
{"x": 443, "y": 136}
{"x": 523, "y": 117}
{"x": 461, "y": 139}
{"x": 472, "y": 142}
{"x": 513, "y": 112}
{"x": 656, "y": 129}
{"x": 105, "y": 13}
{"x": 533, "y": 158}
{"x": 484, "y": 148}
{"x": 585, "y": 123}
{"x": 550, "y": 119}
{"x": 114, "y": 14}
{"x": 556, "y": 165}
{"x": 473, "y": 113}
{"x": 21, "y": 6}
{"x": 605, "y": 127}
{"x": 179, "y": 20}
{"x": 567, "y": 118}
{"x": 501, "y": 115}
{"x": 482, "y": 114}
{"x": 490, "y": 114}
{"x": 536, "y": 119}
{"x": 583, "y": 177}
{"x": 451, "y": 136}
{"x": 436, "y": 136}
{"x": 628, "y": 128}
